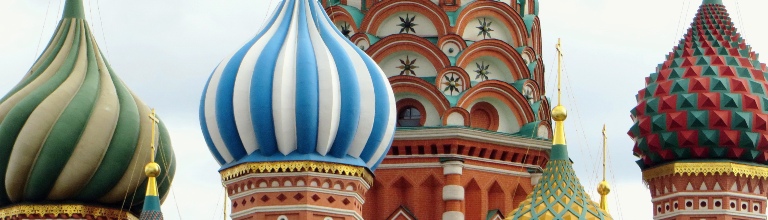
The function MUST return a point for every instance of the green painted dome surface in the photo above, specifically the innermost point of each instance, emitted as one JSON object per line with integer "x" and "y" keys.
{"x": 559, "y": 194}
{"x": 72, "y": 132}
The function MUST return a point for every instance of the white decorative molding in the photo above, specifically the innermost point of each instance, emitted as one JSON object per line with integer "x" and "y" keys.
{"x": 295, "y": 174}
{"x": 708, "y": 212}
{"x": 709, "y": 194}
{"x": 294, "y": 208}
{"x": 465, "y": 157}
{"x": 359, "y": 198}
{"x": 475, "y": 135}
{"x": 535, "y": 177}
{"x": 453, "y": 215}
{"x": 453, "y": 192}
{"x": 453, "y": 167}
{"x": 466, "y": 166}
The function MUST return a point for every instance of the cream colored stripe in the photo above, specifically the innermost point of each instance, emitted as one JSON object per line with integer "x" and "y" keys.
{"x": 9, "y": 103}
{"x": 135, "y": 173}
{"x": 48, "y": 50}
{"x": 36, "y": 129}
{"x": 94, "y": 142}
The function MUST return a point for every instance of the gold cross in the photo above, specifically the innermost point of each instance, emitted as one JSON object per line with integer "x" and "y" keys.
{"x": 154, "y": 119}
{"x": 559, "y": 68}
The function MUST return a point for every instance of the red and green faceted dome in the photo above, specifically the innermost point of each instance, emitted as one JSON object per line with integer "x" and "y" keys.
{"x": 707, "y": 100}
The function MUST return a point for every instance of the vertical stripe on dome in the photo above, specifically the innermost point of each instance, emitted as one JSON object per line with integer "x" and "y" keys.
{"x": 124, "y": 140}
{"x": 211, "y": 113}
{"x": 261, "y": 88}
{"x": 44, "y": 61}
{"x": 307, "y": 90}
{"x": 329, "y": 94}
{"x": 284, "y": 88}
{"x": 368, "y": 98}
{"x": 349, "y": 87}
{"x": 376, "y": 161}
{"x": 241, "y": 99}
{"x": 204, "y": 126}
{"x": 225, "y": 116}
{"x": 139, "y": 156}
{"x": 15, "y": 109}
{"x": 382, "y": 125}
{"x": 68, "y": 129}
{"x": 37, "y": 113}
{"x": 97, "y": 134}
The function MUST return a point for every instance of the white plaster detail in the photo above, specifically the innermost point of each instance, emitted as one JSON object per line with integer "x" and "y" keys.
{"x": 357, "y": 196}
{"x": 717, "y": 187}
{"x": 686, "y": 206}
{"x": 699, "y": 212}
{"x": 287, "y": 183}
{"x": 282, "y": 217}
{"x": 300, "y": 183}
{"x": 453, "y": 192}
{"x": 714, "y": 204}
{"x": 757, "y": 190}
{"x": 703, "y": 186}
{"x": 433, "y": 117}
{"x": 293, "y": 208}
{"x": 708, "y": 194}
{"x": 453, "y": 215}
{"x": 666, "y": 190}
{"x": 745, "y": 189}
{"x": 472, "y": 135}
{"x": 275, "y": 184}
{"x": 253, "y": 186}
{"x": 263, "y": 185}
{"x": 328, "y": 218}
{"x": 313, "y": 183}
{"x": 453, "y": 167}
{"x": 734, "y": 187}
{"x": 535, "y": 177}
{"x": 689, "y": 187}
{"x": 706, "y": 204}
{"x": 350, "y": 188}
{"x": 657, "y": 192}
{"x": 455, "y": 118}
{"x": 326, "y": 185}
{"x": 337, "y": 186}
{"x": 403, "y": 214}
{"x": 674, "y": 189}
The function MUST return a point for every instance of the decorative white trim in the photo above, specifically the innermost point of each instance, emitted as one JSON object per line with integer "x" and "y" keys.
{"x": 453, "y": 215}
{"x": 453, "y": 167}
{"x": 467, "y": 158}
{"x": 294, "y": 174}
{"x": 707, "y": 194}
{"x": 293, "y": 208}
{"x": 709, "y": 212}
{"x": 400, "y": 212}
{"x": 466, "y": 166}
{"x": 453, "y": 192}
{"x": 359, "y": 198}
{"x": 475, "y": 135}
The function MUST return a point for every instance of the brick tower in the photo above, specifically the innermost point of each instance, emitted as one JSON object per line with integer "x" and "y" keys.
{"x": 473, "y": 123}
{"x": 299, "y": 118}
{"x": 700, "y": 125}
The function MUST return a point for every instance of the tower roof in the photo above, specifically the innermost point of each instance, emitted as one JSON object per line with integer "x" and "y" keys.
{"x": 707, "y": 100}
{"x": 298, "y": 91}
{"x": 71, "y": 131}
{"x": 559, "y": 193}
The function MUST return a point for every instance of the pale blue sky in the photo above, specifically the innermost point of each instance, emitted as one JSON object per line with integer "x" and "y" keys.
{"x": 165, "y": 51}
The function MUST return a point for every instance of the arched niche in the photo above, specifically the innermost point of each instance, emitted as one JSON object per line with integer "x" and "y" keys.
{"x": 507, "y": 119}
{"x": 498, "y": 30}
{"x": 407, "y": 22}
{"x": 488, "y": 68}
{"x": 431, "y": 115}
{"x": 407, "y": 63}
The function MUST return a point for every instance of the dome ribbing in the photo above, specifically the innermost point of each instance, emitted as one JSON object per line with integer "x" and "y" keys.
{"x": 299, "y": 91}
{"x": 707, "y": 100}
{"x": 72, "y": 132}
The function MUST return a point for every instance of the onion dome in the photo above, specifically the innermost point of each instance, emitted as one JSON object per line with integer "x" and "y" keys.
{"x": 298, "y": 91}
{"x": 707, "y": 100}
{"x": 72, "y": 132}
{"x": 559, "y": 193}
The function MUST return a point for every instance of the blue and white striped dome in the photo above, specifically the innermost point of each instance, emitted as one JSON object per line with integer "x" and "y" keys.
{"x": 299, "y": 91}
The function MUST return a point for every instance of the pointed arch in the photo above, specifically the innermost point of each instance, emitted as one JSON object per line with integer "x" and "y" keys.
{"x": 500, "y": 11}
{"x": 378, "y": 12}
{"x": 497, "y": 198}
{"x": 498, "y": 50}
{"x": 473, "y": 200}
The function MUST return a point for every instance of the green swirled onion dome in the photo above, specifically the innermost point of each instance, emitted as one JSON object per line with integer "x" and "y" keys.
{"x": 71, "y": 132}
{"x": 707, "y": 100}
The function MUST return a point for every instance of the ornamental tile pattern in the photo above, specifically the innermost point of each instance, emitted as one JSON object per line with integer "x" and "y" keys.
{"x": 707, "y": 100}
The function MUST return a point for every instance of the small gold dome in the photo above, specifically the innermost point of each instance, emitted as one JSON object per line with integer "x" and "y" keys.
{"x": 152, "y": 169}
{"x": 603, "y": 188}
{"x": 559, "y": 113}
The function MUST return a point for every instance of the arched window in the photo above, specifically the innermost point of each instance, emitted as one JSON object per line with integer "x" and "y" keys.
{"x": 409, "y": 117}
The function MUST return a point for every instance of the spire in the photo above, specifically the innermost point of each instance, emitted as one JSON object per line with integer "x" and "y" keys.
{"x": 718, "y": 2}
{"x": 559, "y": 113}
{"x": 603, "y": 188}
{"x": 151, "y": 210}
{"x": 74, "y": 9}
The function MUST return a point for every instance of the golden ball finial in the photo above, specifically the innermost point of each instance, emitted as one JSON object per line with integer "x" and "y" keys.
{"x": 559, "y": 113}
{"x": 603, "y": 188}
{"x": 152, "y": 169}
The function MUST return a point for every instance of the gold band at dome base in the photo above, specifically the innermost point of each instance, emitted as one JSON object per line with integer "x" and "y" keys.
{"x": 296, "y": 166}
{"x": 69, "y": 210}
{"x": 706, "y": 168}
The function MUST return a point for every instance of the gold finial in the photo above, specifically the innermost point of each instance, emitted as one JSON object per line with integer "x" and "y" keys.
{"x": 559, "y": 113}
{"x": 603, "y": 188}
{"x": 152, "y": 169}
